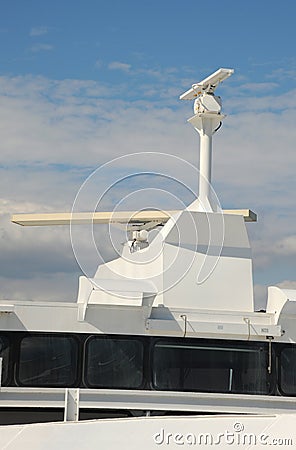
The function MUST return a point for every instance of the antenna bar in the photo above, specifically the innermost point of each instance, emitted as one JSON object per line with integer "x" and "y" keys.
{"x": 50, "y": 219}
{"x": 209, "y": 83}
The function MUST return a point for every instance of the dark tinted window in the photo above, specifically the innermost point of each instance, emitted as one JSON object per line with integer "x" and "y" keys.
{"x": 4, "y": 351}
{"x": 114, "y": 363}
{"x": 288, "y": 371}
{"x": 47, "y": 361}
{"x": 209, "y": 368}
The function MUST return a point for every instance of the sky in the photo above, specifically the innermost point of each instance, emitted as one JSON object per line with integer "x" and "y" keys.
{"x": 86, "y": 82}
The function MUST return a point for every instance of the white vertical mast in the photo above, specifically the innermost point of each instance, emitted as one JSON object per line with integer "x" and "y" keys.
{"x": 207, "y": 120}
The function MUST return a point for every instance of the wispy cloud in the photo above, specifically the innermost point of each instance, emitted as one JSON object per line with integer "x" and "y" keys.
{"x": 117, "y": 65}
{"x": 284, "y": 73}
{"x": 39, "y": 31}
{"x": 286, "y": 246}
{"x": 287, "y": 284}
{"x": 41, "y": 48}
{"x": 259, "y": 87}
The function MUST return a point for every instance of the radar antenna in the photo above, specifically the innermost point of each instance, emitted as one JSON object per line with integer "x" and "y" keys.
{"x": 207, "y": 120}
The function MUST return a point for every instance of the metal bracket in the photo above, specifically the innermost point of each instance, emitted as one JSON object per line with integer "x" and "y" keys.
{"x": 71, "y": 412}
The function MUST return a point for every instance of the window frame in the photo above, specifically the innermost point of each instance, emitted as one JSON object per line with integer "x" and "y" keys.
{"x": 279, "y": 372}
{"x": 113, "y": 337}
{"x": 6, "y": 380}
{"x": 211, "y": 343}
{"x": 76, "y": 359}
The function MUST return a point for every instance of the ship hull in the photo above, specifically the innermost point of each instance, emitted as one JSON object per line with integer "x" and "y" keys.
{"x": 147, "y": 433}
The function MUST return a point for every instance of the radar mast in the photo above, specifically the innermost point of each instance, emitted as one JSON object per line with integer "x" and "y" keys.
{"x": 206, "y": 121}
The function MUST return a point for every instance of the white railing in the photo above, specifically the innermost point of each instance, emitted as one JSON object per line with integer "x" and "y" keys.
{"x": 72, "y": 400}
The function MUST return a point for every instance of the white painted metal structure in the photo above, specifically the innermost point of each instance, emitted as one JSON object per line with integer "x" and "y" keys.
{"x": 100, "y": 218}
{"x": 146, "y": 293}
{"x": 206, "y": 120}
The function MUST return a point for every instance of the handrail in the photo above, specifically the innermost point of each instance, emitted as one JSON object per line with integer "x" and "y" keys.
{"x": 132, "y": 400}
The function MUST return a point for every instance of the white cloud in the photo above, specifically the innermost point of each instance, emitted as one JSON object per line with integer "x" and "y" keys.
{"x": 258, "y": 87}
{"x": 51, "y": 287}
{"x": 117, "y": 65}
{"x": 287, "y": 72}
{"x": 286, "y": 246}
{"x": 33, "y": 254}
{"x": 287, "y": 284}
{"x": 41, "y": 48}
{"x": 39, "y": 31}
{"x": 260, "y": 297}
{"x": 77, "y": 122}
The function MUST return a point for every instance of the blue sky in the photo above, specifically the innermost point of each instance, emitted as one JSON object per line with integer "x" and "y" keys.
{"x": 86, "y": 39}
{"x": 83, "y": 82}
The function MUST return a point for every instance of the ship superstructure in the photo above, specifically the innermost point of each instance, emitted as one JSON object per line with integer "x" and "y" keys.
{"x": 168, "y": 329}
